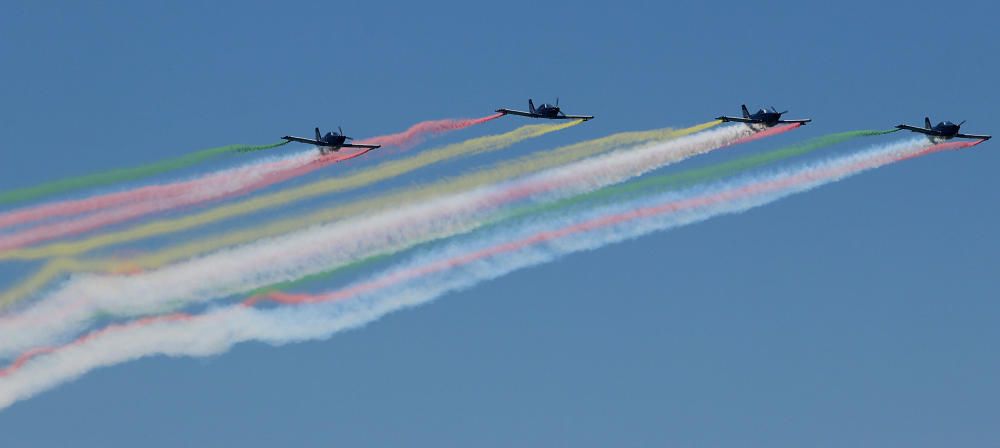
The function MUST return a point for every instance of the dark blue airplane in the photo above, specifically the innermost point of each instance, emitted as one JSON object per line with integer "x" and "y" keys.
{"x": 764, "y": 117}
{"x": 332, "y": 141}
{"x": 545, "y": 111}
{"x": 944, "y": 130}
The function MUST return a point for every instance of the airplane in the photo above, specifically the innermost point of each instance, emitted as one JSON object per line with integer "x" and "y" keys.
{"x": 332, "y": 141}
{"x": 944, "y": 130}
{"x": 545, "y": 111}
{"x": 765, "y": 117}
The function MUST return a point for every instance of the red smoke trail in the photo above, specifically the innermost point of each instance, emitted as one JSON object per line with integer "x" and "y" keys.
{"x": 418, "y": 132}
{"x": 949, "y": 146}
{"x": 36, "y": 352}
{"x": 152, "y": 199}
{"x": 767, "y": 133}
{"x": 398, "y": 277}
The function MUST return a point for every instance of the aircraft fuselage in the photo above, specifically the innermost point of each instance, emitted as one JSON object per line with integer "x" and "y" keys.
{"x": 332, "y": 140}
{"x": 946, "y": 129}
{"x": 547, "y": 110}
{"x": 766, "y": 117}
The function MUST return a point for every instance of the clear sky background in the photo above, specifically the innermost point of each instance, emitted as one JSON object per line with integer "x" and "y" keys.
{"x": 864, "y": 313}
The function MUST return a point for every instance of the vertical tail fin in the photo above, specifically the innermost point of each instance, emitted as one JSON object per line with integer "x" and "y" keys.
{"x": 531, "y": 106}
{"x": 927, "y": 122}
{"x": 746, "y": 113}
{"x": 318, "y": 135}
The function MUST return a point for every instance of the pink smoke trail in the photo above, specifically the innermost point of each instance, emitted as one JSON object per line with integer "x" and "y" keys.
{"x": 768, "y": 132}
{"x": 418, "y": 132}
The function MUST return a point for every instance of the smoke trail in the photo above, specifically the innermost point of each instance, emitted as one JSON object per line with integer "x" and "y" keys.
{"x": 767, "y": 132}
{"x": 418, "y": 132}
{"x": 697, "y": 175}
{"x": 524, "y": 165}
{"x": 123, "y": 175}
{"x": 424, "y": 278}
{"x": 214, "y": 187}
{"x": 222, "y": 184}
{"x": 315, "y": 249}
{"x": 355, "y": 180}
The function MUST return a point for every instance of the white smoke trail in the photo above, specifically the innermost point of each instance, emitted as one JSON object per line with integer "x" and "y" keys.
{"x": 67, "y": 310}
{"x": 220, "y": 328}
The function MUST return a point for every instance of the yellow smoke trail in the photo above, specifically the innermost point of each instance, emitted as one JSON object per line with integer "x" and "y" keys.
{"x": 356, "y": 180}
{"x": 518, "y": 167}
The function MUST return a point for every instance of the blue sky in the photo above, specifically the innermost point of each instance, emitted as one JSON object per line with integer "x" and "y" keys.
{"x": 863, "y": 313}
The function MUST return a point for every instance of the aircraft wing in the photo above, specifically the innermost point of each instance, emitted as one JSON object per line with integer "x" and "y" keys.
{"x": 531, "y": 115}
{"x": 352, "y": 145}
{"x": 979, "y": 137}
{"x": 799, "y": 121}
{"x": 303, "y": 140}
{"x": 517, "y": 112}
{"x": 917, "y": 129}
{"x": 738, "y": 119}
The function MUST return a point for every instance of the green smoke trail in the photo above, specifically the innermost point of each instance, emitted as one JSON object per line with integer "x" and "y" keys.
{"x": 694, "y": 176}
{"x": 123, "y": 174}
{"x": 325, "y": 275}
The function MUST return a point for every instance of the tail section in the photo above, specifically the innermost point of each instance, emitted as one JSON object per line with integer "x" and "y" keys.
{"x": 746, "y": 113}
{"x": 927, "y": 122}
{"x": 318, "y": 135}
{"x": 531, "y": 106}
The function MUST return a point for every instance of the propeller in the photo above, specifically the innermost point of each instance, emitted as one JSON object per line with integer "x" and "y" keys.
{"x": 960, "y": 124}
{"x": 557, "y": 101}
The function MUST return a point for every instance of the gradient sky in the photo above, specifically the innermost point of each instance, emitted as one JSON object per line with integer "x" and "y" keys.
{"x": 864, "y": 313}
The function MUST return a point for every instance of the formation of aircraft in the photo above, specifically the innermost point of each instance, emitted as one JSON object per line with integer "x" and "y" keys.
{"x": 762, "y": 117}
{"x": 944, "y": 130}
{"x": 545, "y": 111}
{"x": 332, "y": 141}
